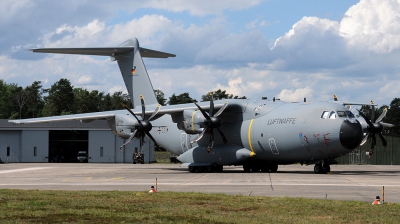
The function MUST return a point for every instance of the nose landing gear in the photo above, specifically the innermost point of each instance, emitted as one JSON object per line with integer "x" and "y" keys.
{"x": 322, "y": 168}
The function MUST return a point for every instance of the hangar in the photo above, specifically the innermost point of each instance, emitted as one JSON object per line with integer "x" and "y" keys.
{"x": 61, "y": 142}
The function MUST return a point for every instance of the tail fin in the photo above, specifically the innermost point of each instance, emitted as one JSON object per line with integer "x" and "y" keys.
{"x": 129, "y": 56}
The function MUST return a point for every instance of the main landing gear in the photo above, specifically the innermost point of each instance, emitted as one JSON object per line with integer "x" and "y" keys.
{"x": 206, "y": 169}
{"x": 322, "y": 168}
{"x": 270, "y": 167}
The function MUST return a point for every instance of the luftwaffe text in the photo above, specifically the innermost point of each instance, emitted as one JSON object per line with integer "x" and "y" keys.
{"x": 282, "y": 121}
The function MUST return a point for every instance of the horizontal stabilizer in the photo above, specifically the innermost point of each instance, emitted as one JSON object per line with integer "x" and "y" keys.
{"x": 104, "y": 51}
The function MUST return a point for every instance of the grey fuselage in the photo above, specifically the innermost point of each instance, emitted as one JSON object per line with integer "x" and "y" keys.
{"x": 277, "y": 131}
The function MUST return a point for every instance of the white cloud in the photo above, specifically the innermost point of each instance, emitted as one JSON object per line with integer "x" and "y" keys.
{"x": 374, "y": 24}
{"x": 295, "y": 95}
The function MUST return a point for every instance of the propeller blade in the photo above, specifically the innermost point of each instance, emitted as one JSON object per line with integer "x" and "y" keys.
{"x": 141, "y": 143}
{"x": 151, "y": 137}
{"x": 202, "y": 111}
{"x": 222, "y": 135}
{"x": 199, "y": 136}
{"x": 130, "y": 111}
{"x": 143, "y": 107}
{"x": 211, "y": 142}
{"x": 128, "y": 141}
{"x": 155, "y": 112}
{"x": 383, "y": 140}
{"x": 221, "y": 110}
{"x": 211, "y": 105}
{"x": 373, "y": 139}
{"x": 382, "y": 116}
{"x": 373, "y": 114}
{"x": 364, "y": 139}
{"x": 387, "y": 125}
{"x": 365, "y": 118}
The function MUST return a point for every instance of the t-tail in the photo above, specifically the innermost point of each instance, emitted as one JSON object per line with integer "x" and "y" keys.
{"x": 129, "y": 57}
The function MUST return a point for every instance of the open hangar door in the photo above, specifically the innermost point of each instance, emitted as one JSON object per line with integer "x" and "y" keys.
{"x": 64, "y": 145}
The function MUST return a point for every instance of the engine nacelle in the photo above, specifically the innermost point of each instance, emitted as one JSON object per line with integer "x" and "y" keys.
{"x": 193, "y": 122}
{"x": 122, "y": 125}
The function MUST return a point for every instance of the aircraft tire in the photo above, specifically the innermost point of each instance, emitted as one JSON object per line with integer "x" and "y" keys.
{"x": 256, "y": 168}
{"x": 246, "y": 168}
{"x": 192, "y": 169}
{"x": 210, "y": 169}
{"x": 318, "y": 168}
{"x": 326, "y": 168}
{"x": 274, "y": 168}
{"x": 219, "y": 168}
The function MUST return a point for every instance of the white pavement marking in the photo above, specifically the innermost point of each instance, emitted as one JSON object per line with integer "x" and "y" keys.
{"x": 22, "y": 170}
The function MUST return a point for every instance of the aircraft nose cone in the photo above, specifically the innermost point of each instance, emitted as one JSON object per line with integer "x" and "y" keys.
{"x": 351, "y": 134}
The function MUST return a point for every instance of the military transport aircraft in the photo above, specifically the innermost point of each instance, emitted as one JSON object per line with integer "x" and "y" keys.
{"x": 257, "y": 134}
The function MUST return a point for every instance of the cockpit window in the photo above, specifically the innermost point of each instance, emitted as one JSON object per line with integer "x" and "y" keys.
{"x": 350, "y": 114}
{"x": 332, "y": 115}
{"x": 325, "y": 115}
{"x": 342, "y": 114}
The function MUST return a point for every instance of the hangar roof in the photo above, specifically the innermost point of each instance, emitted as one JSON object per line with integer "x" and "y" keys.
{"x": 62, "y": 125}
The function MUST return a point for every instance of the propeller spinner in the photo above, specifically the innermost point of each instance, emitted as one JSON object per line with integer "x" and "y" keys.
{"x": 143, "y": 126}
{"x": 211, "y": 121}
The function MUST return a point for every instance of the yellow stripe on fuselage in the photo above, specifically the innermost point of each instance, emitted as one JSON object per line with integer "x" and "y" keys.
{"x": 249, "y": 135}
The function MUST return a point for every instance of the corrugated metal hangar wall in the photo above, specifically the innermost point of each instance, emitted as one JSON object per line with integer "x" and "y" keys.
{"x": 60, "y": 142}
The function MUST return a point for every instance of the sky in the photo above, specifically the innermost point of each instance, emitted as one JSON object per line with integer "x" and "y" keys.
{"x": 287, "y": 49}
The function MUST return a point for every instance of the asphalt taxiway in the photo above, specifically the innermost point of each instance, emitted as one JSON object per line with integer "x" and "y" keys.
{"x": 346, "y": 182}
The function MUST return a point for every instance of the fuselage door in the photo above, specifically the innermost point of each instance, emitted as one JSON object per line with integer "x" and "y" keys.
{"x": 272, "y": 146}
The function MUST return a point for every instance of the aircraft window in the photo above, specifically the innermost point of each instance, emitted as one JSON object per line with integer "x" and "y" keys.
{"x": 325, "y": 115}
{"x": 341, "y": 114}
{"x": 350, "y": 114}
{"x": 332, "y": 115}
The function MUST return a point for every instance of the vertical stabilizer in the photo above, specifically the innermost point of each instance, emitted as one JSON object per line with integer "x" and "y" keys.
{"x": 135, "y": 75}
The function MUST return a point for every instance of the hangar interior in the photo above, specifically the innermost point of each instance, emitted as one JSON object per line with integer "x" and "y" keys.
{"x": 61, "y": 142}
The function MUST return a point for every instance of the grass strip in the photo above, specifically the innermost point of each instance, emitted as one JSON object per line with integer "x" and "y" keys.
{"x": 42, "y": 206}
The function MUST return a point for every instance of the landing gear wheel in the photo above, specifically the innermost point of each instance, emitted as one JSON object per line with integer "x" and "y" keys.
{"x": 246, "y": 168}
{"x": 326, "y": 168}
{"x": 318, "y": 168}
{"x": 192, "y": 169}
{"x": 219, "y": 168}
{"x": 210, "y": 169}
{"x": 274, "y": 168}
{"x": 265, "y": 168}
{"x": 255, "y": 168}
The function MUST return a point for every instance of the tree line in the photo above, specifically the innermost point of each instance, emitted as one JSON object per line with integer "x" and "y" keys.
{"x": 62, "y": 98}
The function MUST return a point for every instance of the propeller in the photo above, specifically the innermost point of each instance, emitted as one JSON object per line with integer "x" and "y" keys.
{"x": 375, "y": 126}
{"x": 211, "y": 121}
{"x": 143, "y": 126}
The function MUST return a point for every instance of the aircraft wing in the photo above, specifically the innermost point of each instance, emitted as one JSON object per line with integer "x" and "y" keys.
{"x": 104, "y": 51}
{"x": 88, "y": 117}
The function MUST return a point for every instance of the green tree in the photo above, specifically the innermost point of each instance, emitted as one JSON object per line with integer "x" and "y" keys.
{"x": 119, "y": 98}
{"x": 35, "y": 102}
{"x": 86, "y": 102}
{"x": 219, "y": 95}
{"x": 106, "y": 103}
{"x": 20, "y": 98}
{"x": 60, "y": 100}
{"x": 160, "y": 97}
{"x": 180, "y": 99}
{"x": 393, "y": 117}
{"x": 9, "y": 106}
